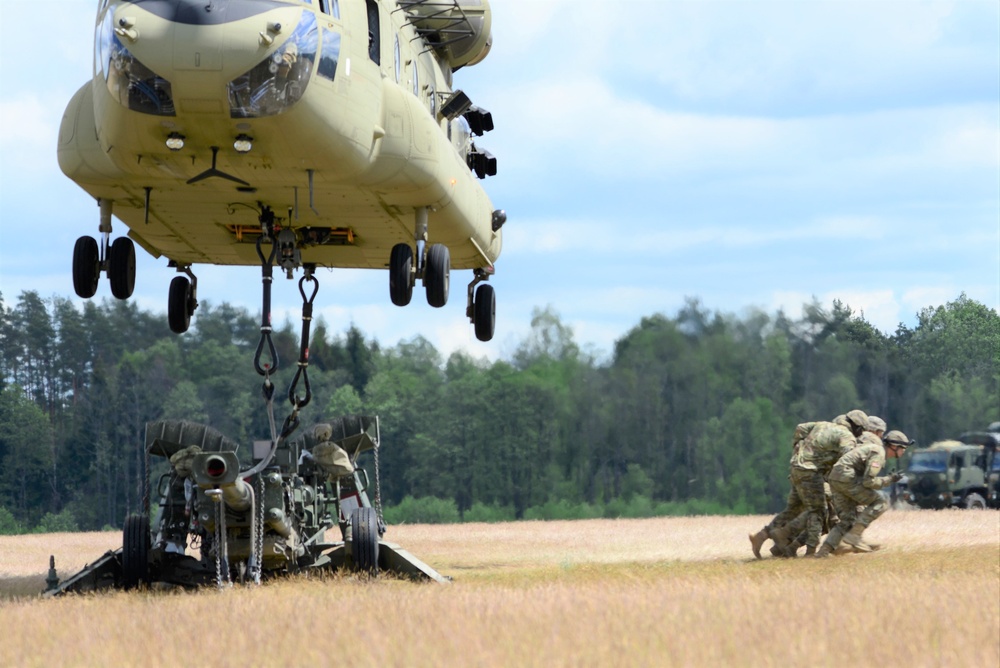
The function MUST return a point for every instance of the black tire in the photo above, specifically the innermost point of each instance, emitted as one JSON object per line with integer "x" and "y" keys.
{"x": 121, "y": 267}
{"x": 975, "y": 502}
{"x": 401, "y": 274}
{"x": 364, "y": 540}
{"x": 484, "y": 312}
{"x": 437, "y": 275}
{"x": 86, "y": 267}
{"x": 135, "y": 551}
{"x": 178, "y": 311}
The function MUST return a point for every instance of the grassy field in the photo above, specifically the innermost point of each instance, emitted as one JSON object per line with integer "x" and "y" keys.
{"x": 658, "y": 592}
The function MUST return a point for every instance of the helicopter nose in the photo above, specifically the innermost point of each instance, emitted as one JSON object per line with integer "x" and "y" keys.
{"x": 206, "y": 12}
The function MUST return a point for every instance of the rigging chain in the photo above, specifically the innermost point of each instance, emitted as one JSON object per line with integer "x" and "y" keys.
{"x": 267, "y": 368}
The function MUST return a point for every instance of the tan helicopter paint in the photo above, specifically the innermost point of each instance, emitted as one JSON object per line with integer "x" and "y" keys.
{"x": 375, "y": 151}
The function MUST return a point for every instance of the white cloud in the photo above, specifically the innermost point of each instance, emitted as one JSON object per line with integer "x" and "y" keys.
{"x": 646, "y": 237}
{"x": 884, "y": 308}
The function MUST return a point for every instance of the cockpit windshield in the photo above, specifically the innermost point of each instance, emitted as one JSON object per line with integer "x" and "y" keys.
{"x": 924, "y": 462}
{"x": 279, "y": 80}
{"x": 129, "y": 81}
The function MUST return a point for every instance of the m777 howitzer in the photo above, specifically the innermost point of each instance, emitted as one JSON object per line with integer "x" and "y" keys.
{"x": 269, "y": 519}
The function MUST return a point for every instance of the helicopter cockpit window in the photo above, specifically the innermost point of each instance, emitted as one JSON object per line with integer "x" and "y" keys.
{"x": 330, "y": 7}
{"x": 329, "y": 54}
{"x": 279, "y": 80}
{"x": 461, "y": 136}
{"x": 129, "y": 81}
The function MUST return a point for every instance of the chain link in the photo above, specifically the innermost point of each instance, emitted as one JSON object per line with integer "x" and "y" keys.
{"x": 221, "y": 543}
{"x": 378, "y": 492}
{"x": 258, "y": 547}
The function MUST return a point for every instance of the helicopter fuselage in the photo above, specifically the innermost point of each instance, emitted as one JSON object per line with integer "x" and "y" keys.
{"x": 327, "y": 114}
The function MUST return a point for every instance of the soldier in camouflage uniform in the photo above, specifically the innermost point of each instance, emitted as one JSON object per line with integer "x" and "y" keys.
{"x": 793, "y": 505}
{"x": 821, "y": 446}
{"x": 855, "y": 480}
{"x": 876, "y": 427}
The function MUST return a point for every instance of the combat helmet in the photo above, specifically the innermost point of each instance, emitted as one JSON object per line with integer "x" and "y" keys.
{"x": 858, "y": 420}
{"x": 897, "y": 438}
{"x": 876, "y": 424}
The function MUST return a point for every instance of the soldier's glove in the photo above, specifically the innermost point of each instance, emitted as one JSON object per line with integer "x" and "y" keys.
{"x": 897, "y": 476}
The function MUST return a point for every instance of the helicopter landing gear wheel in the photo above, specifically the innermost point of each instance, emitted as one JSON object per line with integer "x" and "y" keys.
{"x": 179, "y": 305}
{"x": 121, "y": 267}
{"x": 484, "y": 312}
{"x": 401, "y": 274}
{"x": 437, "y": 275}
{"x": 364, "y": 540}
{"x": 135, "y": 551}
{"x": 86, "y": 267}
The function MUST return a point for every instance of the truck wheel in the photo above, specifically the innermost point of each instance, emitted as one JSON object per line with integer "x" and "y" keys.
{"x": 975, "y": 502}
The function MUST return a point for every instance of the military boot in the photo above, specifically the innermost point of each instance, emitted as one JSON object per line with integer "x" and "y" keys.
{"x": 757, "y": 541}
{"x": 780, "y": 538}
{"x": 792, "y": 550}
{"x": 853, "y": 538}
{"x": 810, "y": 550}
{"x": 824, "y": 551}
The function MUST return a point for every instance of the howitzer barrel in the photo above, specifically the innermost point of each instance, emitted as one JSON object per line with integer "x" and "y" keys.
{"x": 221, "y": 470}
{"x": 237, "y": 496}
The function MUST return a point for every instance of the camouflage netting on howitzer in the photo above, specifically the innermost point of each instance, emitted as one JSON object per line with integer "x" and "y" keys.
{"x": 167, "y": 437}
{"x": 354, "y": 433}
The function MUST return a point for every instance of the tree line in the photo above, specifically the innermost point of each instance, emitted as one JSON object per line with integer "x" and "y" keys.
{"x": 690, "y": 413}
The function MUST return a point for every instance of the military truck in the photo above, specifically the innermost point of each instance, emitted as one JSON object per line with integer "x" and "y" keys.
{"x": 990, "y": 440}
{"x": 947, "y": 474}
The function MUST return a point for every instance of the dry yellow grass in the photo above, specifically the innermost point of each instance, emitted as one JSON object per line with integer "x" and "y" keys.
{"x": 661, "y": 592}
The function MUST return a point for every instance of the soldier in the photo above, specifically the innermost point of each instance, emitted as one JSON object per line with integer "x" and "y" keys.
{"x": 792, "y": 505}
{"x": 855, "y": 480}
{"x": 895, "y": 444}
{"x": 876, "y": 427}
{"x": 812, "y": 458}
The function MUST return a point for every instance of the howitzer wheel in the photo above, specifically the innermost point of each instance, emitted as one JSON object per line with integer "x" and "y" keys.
{"x": 364, "y": 540}
{"x": 135, "y": 551}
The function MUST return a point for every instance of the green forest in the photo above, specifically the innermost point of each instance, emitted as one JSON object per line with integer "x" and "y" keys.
{"x": 690, "y": 413}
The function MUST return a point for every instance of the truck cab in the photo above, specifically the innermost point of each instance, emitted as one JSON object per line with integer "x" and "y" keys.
{"x": 948, "y": 474}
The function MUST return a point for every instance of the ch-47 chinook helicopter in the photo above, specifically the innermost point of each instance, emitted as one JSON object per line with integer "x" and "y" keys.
{"x": 302, "y": 133}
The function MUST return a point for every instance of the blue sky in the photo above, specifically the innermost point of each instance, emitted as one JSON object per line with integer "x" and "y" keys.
{"x": 750, "y": 154}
